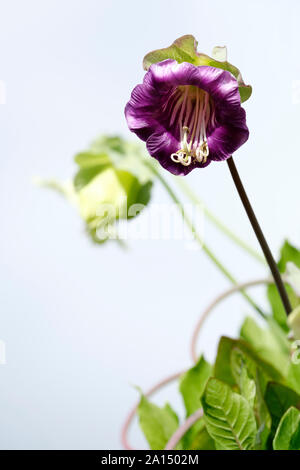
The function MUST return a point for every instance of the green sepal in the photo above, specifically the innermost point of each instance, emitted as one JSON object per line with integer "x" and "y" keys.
{"x": 184, "y": 49}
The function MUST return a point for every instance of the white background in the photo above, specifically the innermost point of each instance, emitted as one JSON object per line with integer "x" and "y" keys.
{"x": 83, "y": 323}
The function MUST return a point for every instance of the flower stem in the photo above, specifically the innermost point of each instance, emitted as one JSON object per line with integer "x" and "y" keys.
{"x": 217, "y": 222}
{"x": 260, "y": 236}
{"x": 205, "y": 248}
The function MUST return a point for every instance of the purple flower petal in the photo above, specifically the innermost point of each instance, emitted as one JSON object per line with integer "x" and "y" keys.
{"x": 181, "y": 108}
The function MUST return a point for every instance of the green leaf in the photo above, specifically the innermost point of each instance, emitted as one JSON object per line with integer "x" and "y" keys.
{"x": 222, "y": 368}
{"x": 201, "y": 440}
{"x": 294, "y": 322}
{"x": 192, "y": 385}
{"x": 268, "y": 344}
{"x": 287, "y": 436}
{"x": 263, "y": 417}
{"x": 278, "y": 309}
{"x": 84, "y": 176}
{"x": 242, "y": 376}
{"x": 292, "y": 275}
{"x": 288, "y": 253}
{"x": 279, "y": 398}
{"x": 258, "y": 370}
{"x": 228, "y": 417}
{"x": 293, "y": 376}
{"x": 252, "y": 382}
{"x": 91, "y": 159}
{"x": 115, "y": 152}
{"x": 158, "y": 424}
{"x": 184, "y": 49}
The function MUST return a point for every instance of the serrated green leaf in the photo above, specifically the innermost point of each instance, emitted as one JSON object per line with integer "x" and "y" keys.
{"x": 279, "y": 398}
{"x": 287, "y": 436}
{"x": 184, "y": 49}
{"x": 228, "y": 417}
{"x": 242, "y": 376}
{"x": 252, "y": 382}
{"x": 158, "y": 424}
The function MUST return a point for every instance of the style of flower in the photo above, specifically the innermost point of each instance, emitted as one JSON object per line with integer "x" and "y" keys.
{"x": 188, "y": 115}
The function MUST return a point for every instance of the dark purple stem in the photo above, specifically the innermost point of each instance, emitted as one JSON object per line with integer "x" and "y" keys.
{"x": 260, "y": 236}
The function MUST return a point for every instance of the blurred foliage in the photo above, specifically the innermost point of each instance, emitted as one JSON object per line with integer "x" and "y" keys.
{"x": 112, "y": 183}
{"x": 158, "y": 424}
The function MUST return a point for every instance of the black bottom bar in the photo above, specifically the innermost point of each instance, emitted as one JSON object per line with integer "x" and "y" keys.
{"x": 126, "y": 459}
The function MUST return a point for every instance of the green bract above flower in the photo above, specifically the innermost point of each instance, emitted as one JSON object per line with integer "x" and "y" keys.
{"x": 112, "y": 183}
{"x": 184, "y": 49}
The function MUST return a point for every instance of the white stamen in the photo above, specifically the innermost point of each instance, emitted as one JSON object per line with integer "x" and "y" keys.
{"x": 175, "y": 158}
{"x": 195, "y": 113}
